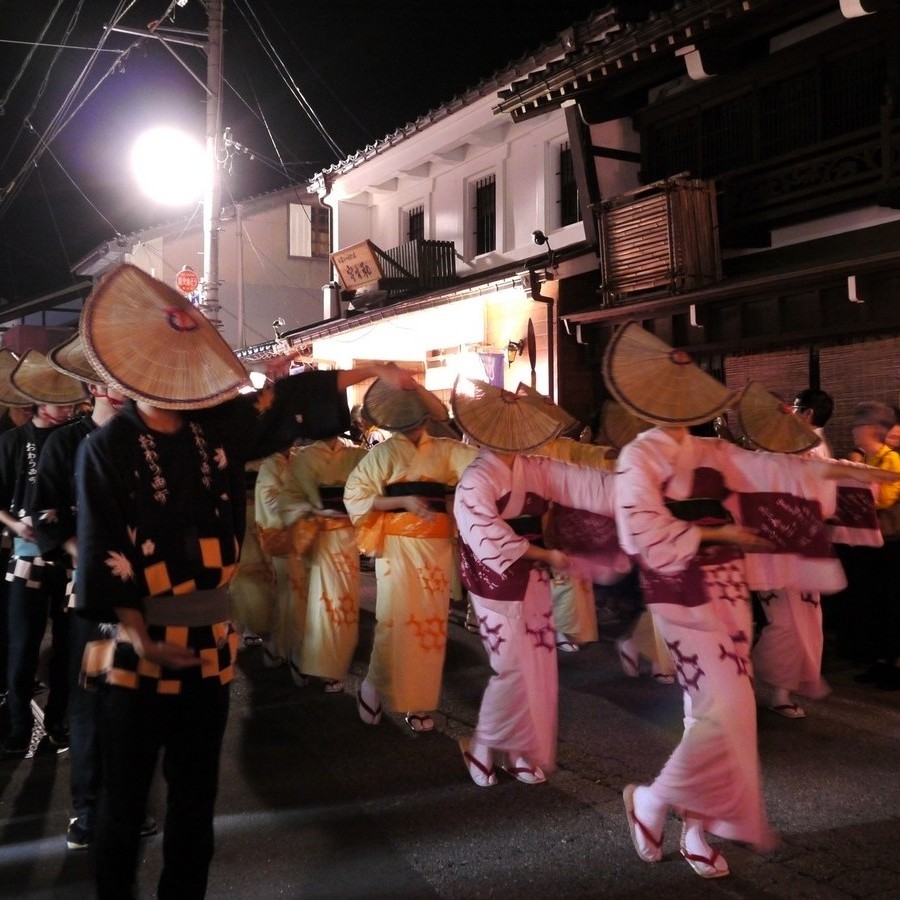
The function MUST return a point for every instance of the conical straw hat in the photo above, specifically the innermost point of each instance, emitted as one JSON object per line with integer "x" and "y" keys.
{"x": 147, "y": 341}
{"x": 618, "y": 425}
{"x": 769, "y": 424}
{"x": 504, "y": 421}
{"x": 69, "y": 358}
{"x": 659, "y": 384}
{"x": 398, "y": 409}
{"x": 9, "y": 395}
{"x": 36, "y": 378}
{"x": 567, "y": 422}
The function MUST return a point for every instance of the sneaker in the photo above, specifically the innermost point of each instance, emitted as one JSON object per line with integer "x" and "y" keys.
{"x": 78, "y": 837}
{"x": 149, "y": 827}
{"x": 16, "y": 744}
{"x": 58, "y": 735}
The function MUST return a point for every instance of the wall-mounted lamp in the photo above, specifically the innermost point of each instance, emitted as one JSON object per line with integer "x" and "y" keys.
{"x": 513, "y": 349}
{"x": 277, "y": 325}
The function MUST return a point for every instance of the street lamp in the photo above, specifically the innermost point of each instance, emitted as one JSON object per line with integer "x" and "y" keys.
{"x": 170, "y": 166}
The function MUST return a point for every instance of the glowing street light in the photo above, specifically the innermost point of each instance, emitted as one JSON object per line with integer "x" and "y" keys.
{"x": 170, "y": 166}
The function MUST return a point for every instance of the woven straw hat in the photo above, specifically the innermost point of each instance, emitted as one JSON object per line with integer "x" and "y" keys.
{"x": 147, "y": 341}
{"x": 9, "y": 395}
{"x": 566, "y": 422}
{"x": 398, "y": 409}
{"x": 69, "y": 357}
{"x": 42, "y": 383}
{"x": 505, "y": 421}
{"x": 659, "y": 384}
{"x": 618, "y": 425}
{"x": 769, "y": 424}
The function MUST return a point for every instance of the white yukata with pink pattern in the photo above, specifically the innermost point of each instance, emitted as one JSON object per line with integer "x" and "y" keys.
{"x": 511, "y": 595}
{"x": 788, "y": 652}
{"x": 701, "y": 602}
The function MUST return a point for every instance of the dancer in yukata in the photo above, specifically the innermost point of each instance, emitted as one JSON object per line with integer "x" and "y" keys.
{"x": 688, "y": 508}
{"x": 313, "y": 490}
{"x": 787, "y": 655}
{"x": 506, "y": 568}
{"x": 397, "y": 496}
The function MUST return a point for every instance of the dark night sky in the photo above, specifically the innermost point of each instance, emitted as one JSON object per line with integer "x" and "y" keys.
{"x": 365, "y": 68}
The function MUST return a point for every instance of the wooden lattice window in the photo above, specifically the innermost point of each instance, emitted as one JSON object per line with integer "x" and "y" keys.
{"x": 569, "y": 207}
{"x": 485, "y": 215}
{"x": 415, "y": 223}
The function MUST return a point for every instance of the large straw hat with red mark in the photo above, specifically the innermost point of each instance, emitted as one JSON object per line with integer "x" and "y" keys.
{"x": 659, "y": 384}
{"x": 147, "y": 341}
{"x": 768, "y": 423}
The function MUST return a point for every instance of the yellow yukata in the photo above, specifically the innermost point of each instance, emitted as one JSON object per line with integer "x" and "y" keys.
{"x": 252, "y": 590}
{"x": 413, "y": 564}
{"x": 313, "y": 489}
{"x": 291, "y": 576}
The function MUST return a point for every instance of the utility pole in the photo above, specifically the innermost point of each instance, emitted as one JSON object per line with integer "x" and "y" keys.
{"x": 212, "y": 194}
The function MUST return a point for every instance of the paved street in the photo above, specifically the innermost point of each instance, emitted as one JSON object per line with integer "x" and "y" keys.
{"x": 313, "y": 804}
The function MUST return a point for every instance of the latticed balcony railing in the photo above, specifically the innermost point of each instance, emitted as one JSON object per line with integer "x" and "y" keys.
{"x": 857, "y": 169}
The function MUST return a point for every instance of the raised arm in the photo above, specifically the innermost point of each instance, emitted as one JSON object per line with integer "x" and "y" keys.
{"x": 390, "y": 373}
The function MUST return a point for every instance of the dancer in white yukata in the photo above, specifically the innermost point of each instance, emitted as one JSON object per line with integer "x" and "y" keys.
{"x": 680, "y": 505}
{"x": 505, "y": 567}
{"x": 787, "y": 656}
{"x": 572, "y": 592}
{"x": 397, "y": 497}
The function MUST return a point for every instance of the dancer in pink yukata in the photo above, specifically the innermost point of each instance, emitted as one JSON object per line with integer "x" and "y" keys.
{"x": 787, "y": 656}
{"x": 505, "y": 567}
{"x": 684, "y": 509}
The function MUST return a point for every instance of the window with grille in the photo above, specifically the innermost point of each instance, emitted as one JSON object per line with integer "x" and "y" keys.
{"x": 485, "y": 215}
{"x": 415, "y": 223}
{"x": 569, "y": 207}
{"x": 308, "y": 231}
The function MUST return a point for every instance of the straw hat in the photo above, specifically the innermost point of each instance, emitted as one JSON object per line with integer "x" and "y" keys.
{"x": 147, "y": 341}
{"x": 10, "y": 396}
{"x": 505, "y": 421}
{"x": 618, "y": 425}
{"x": 34, "y": 377}
{"x": 398, "y": 409}
{"x": 69, "y": 358}
{"x": 566, "y": 422}
{"x": 769, "y": 424}
{"x": 659, "y": 384}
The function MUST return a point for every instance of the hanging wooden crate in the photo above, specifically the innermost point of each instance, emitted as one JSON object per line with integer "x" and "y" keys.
{"x": 660, "y": 239}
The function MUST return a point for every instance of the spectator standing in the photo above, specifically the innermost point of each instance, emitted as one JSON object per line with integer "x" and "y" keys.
{"x": 161, "y": 515}
{"x": 37, "y": 586}
{"x": 868, "y": 614}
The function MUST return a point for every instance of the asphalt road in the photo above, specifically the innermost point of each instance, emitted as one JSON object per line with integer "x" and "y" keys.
{"x": 314, "y": 804}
